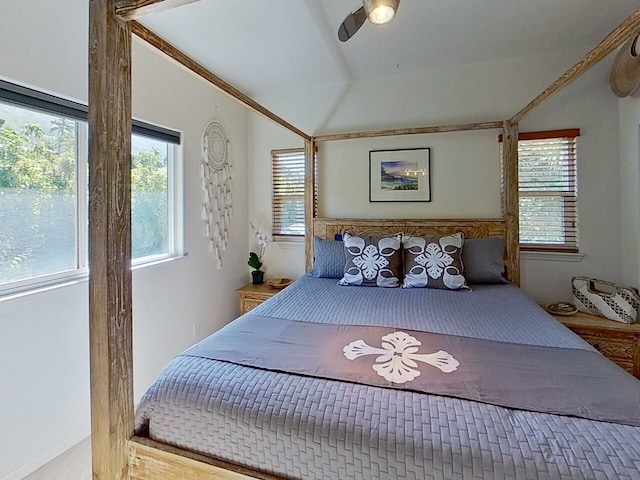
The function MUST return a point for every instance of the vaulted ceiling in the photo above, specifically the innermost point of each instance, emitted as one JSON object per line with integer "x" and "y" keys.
{"x": 265, "y": 48}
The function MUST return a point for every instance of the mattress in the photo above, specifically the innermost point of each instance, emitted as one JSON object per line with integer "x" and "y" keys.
{"x": 303, "y": 427}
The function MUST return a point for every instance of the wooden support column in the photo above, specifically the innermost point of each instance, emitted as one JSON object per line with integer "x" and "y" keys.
{"x": 510, "y": 200}
{"x": 110, "y": 313}
{"x": 309, "y": 198}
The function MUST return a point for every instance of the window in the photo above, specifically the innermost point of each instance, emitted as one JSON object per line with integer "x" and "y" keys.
{"x": 151, "y": 194}
{"x": 548, "y": 190}
{"x": 38, "y": 195}
{"x": 288, "y": 192}
{"x": 43, "y": 190}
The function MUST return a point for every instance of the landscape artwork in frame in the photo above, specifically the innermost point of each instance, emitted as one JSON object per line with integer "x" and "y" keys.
{"x": 401, "y": 175}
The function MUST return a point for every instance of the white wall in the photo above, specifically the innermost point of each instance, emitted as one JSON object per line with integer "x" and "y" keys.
{"x": 630, "y": 189}
{"x": 178, "y": 303}
{"x": 282, "y": 259}
{"x": 465, "y": 177}
{"x": 44, "y": 354}
{"x": 44, "y": 373}
{"x": 465, "y": 166}
{"x": 589, "y": 105}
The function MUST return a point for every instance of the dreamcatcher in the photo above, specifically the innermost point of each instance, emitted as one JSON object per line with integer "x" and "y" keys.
{"x": 216, "y": 188}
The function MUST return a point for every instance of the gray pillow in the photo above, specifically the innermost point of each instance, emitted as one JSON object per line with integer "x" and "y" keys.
{"x": 372, "y": 261}
{"x": 434, "y": 262}
{"x": 483, "y": 260}
{"x": 329, "y": 259}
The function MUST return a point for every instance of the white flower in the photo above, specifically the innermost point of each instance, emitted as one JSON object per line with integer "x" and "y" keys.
{"x": 397, "y": 358}
{"x": 434, "y": 259}
{"x": 262, "y": 239}
{"x": 370, "y": 261}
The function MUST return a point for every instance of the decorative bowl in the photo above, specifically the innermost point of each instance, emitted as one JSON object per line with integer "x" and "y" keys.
{"x": 562, "y": 308}
{"x": 280, "y": 283}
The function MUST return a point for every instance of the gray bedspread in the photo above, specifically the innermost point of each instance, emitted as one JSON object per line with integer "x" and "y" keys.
{"x": 302, "y": 427}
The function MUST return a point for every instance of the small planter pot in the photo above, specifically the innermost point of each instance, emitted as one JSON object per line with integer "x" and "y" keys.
{"x": 257, "y": 277}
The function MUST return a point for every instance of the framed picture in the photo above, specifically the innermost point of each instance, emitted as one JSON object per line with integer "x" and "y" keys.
{"x": 401, "y": 175}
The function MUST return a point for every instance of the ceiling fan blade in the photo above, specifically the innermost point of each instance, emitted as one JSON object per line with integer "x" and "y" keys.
{"x": 352, "y": 24}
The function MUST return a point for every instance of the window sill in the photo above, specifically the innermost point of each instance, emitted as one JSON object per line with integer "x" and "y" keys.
{"x": 33, "y": 289}
{"x": 289, "y": 242}
{"x": 43, "y": 287}
{"x": 157, "y": 260}
{"x": 552, "y": 256}
{"x": 288, "y": 239}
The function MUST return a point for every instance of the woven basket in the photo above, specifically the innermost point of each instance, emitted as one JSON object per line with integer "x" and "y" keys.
{"x": 606, "y": 299}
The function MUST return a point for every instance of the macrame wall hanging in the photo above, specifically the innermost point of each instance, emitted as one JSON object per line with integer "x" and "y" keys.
{"x": 216, "y": 188}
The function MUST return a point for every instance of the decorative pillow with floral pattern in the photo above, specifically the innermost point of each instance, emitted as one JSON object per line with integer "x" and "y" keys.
{"x": 372, "y": 261}
{"x": 434, "y": 262}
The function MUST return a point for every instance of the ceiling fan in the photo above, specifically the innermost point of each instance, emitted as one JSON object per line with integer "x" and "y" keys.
{"x": 377, "y": 11}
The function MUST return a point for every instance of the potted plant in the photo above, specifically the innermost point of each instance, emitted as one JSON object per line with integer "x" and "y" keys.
{"x": 255, "y": 259}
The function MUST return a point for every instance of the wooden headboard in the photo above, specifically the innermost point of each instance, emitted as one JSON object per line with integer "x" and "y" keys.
{"x": 327, "y": 228}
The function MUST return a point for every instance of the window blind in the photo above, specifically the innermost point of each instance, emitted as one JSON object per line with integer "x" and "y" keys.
{"x": 548, "y": 190}
{"x": 288, "y": 178}
{"x": 43, "y": 102}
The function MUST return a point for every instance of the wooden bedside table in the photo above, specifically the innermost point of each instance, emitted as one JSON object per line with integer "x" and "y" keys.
{"x": 253, "y": 295}
{"x": 616, "y": 341}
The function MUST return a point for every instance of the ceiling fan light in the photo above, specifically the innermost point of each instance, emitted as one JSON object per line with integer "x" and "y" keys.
{"x": 381, "y": 15}
{"x": 380, "y": 12}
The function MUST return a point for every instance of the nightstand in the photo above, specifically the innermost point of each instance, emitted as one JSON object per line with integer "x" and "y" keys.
{"x": 616, "y": 341}
{"x": 253, "y": 295}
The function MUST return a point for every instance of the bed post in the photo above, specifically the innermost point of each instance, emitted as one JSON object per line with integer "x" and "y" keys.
{"x": 309, "y": 199}
{"x": 510, "y": 198}
{"x": 110, "y": 313}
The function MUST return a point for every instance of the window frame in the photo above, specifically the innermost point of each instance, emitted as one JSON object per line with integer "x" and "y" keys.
{"x": 570, "y": 222}
{"x": 25, "y": 98}
{"x": 175, "y": 240}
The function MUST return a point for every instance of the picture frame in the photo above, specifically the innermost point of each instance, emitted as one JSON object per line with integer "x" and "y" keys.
{"x": 400, "y": 175}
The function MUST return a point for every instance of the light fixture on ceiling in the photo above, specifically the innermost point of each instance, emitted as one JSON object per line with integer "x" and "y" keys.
{"x": 380, "y": 12}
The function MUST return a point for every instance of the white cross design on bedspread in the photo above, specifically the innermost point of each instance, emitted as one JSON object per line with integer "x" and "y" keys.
{"x": 397, "y": 358}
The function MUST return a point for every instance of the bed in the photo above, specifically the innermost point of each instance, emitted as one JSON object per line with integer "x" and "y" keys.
{"x": 286, "y": 425}
{"x": 600, "y": 450}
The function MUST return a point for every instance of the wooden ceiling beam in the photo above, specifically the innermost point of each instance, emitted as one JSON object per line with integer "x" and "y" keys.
{"x": 132, "y": 9}
{"x": 629, "y": 27}
{"x": 409, "y": 131}
{"x": 168, "y": 49}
